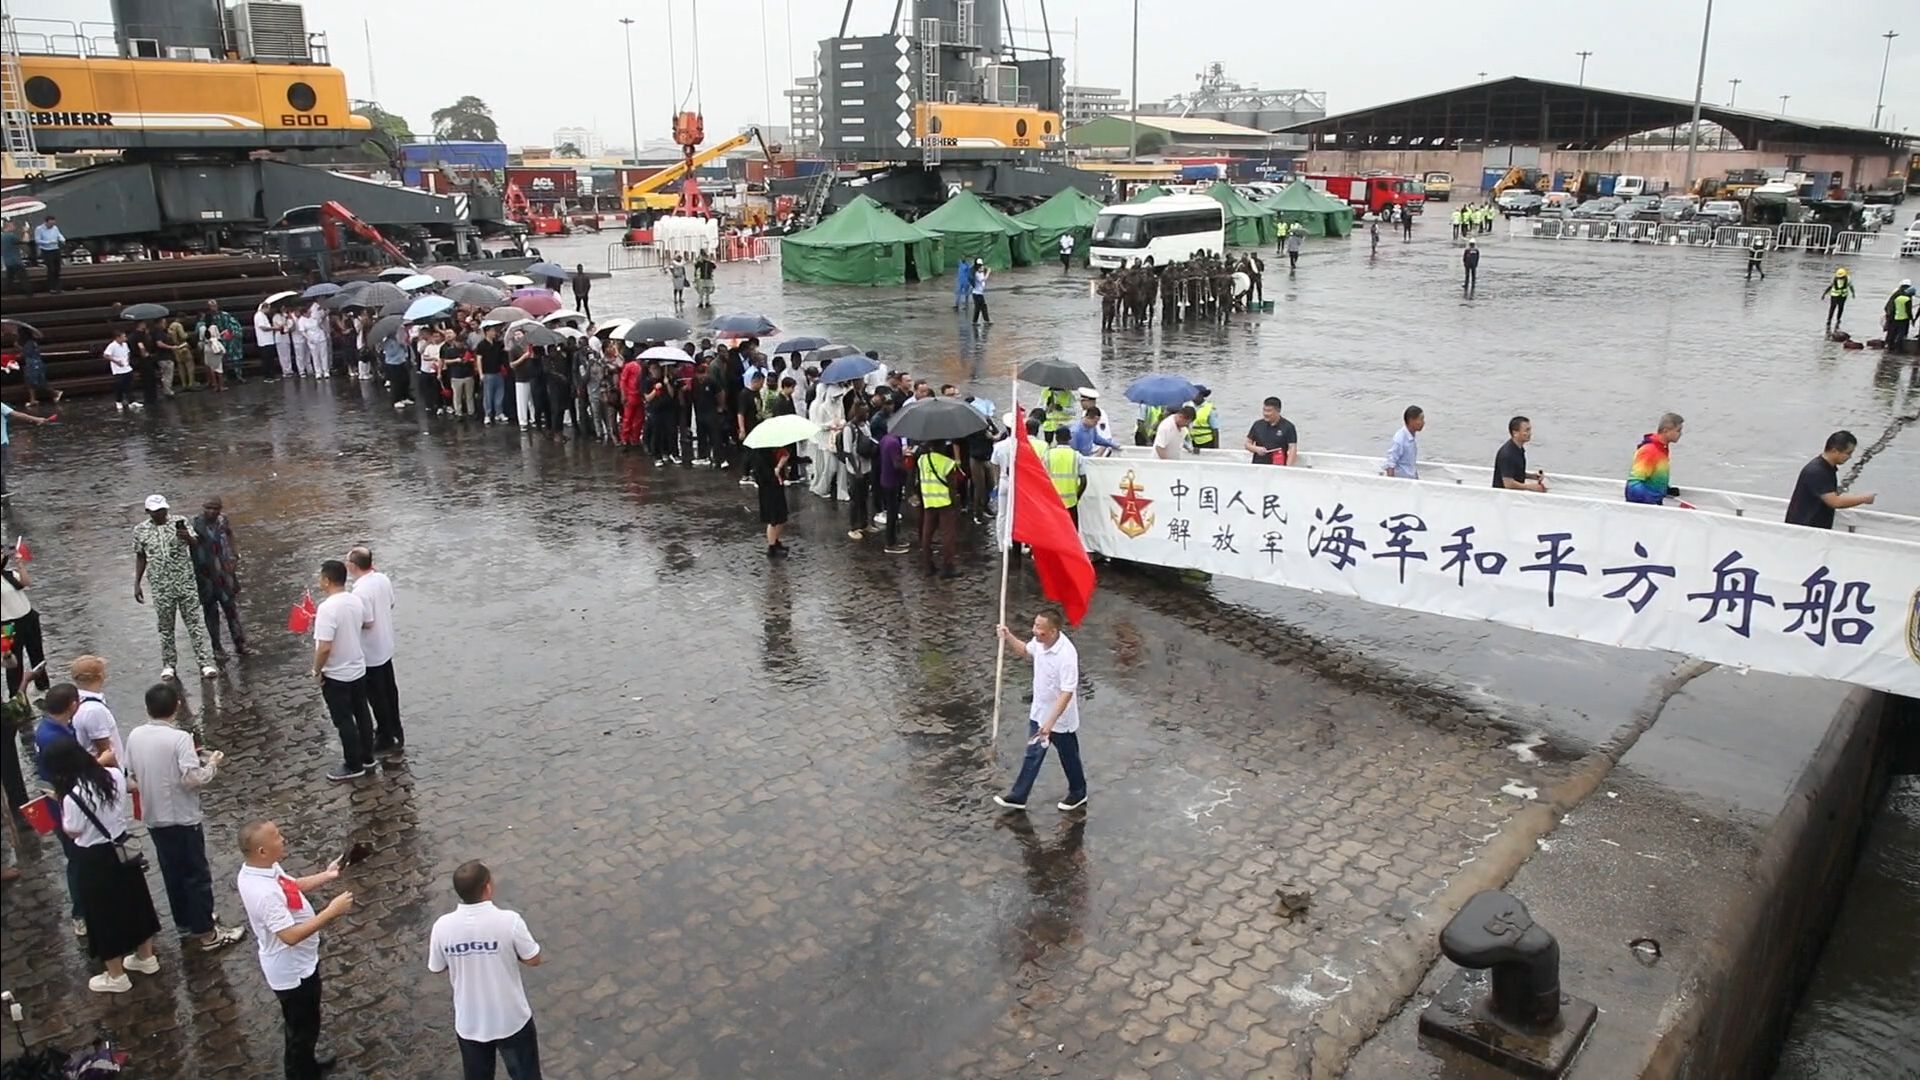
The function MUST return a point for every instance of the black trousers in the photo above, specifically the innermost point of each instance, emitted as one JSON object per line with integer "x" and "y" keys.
{"x": 559, "y": 401}
{"x": 212, "y": 607}
{"x": 980, "y": 308}
{"x": 1836, "y": 307}
{"x": 300, "y": 1013}
{"x": 383, "y": 698}
{"x": 890, "y": 506}
{"x": 11, "y": 779}
{"x": 30, "y": 650}
{"x": 857, "y": 517}
{"x": 1473, "y": 273}
{"x": 51, "y": 259}
{"x": 520, "y": 1050}
{"x": 398, "y": 382}
{"x": 582, "y": 305}
{"x": 352, "y": 717}
{"x": 945, "y": 521}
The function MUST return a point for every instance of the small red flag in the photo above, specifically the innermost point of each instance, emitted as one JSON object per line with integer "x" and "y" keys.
{"x": 1041, "y": 522}
{"x": 300, "y": 619}
{"x": 22, "y": 553}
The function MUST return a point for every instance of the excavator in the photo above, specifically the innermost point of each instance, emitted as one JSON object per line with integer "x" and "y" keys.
{"x": 647, "y": 194}
{"x": 1518, "y": 177}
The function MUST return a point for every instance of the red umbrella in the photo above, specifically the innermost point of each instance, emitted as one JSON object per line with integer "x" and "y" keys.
{"x": 536, "y": 302}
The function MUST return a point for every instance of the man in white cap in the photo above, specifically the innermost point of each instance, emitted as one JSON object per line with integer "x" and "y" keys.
{"x": 1090, "y": 399}
{"x": 163, "y": 556}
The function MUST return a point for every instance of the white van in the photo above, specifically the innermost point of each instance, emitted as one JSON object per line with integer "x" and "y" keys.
{"x": 1626, "y": 187}
{"x": 1172, "y": 228}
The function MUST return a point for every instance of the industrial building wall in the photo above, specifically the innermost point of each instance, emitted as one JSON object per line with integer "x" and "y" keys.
{"x": 1468, "y": 166}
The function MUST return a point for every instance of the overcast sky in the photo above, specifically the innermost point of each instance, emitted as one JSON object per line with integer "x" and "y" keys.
{"x": 562, "y": 63}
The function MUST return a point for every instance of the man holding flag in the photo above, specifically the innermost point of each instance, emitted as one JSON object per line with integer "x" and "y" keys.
{"x": 1040, "y": 520}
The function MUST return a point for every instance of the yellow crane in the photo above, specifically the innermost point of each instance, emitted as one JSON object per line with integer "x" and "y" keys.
{"x": 647, "y": 194}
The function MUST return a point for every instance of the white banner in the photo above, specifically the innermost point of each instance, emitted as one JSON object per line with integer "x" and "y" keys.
{"x": 1736, "y": 591}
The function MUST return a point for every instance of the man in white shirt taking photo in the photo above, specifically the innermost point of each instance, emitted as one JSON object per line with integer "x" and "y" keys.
{"x": 482, "y": 948}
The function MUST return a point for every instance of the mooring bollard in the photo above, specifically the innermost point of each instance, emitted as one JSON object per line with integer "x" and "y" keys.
{"x": 1523, "y": 1022}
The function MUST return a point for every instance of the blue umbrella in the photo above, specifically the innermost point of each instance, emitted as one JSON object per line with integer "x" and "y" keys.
{"x": 315, "y": 292}
{"x": 1166, "y": 391}
{"x": 547, "y": 270}
{"x": 743, "y": 325}
{"x": 800, "y": 344}
{"x": 428, "y": 307}
{"x": 848, "y": 368}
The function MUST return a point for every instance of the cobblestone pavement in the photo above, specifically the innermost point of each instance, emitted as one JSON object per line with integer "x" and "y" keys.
{"x": 742, "y": 805}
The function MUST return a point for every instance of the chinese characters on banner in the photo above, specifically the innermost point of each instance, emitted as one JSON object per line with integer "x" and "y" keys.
{"x": 1736, "y": 591}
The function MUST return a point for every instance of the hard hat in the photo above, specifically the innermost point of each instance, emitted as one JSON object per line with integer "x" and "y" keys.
{"x": 1842, "y": 272}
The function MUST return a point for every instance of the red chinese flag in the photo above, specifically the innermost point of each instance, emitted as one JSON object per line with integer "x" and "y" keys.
{"x": 300, "y": 619}
{"x": 1040, "y": 521}
{"x": 21, "y": 553}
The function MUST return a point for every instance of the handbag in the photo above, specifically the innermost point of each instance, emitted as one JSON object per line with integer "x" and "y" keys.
{"x": 136, "y": 860}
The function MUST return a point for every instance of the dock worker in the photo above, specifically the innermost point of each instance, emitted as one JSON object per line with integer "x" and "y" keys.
{"x": 49, "y": 243}
{"x": 936, "y": 470}
{"x": 1206, "y": 427}
{"x": 1470, "y": 261}
{"x": 962, "y": 284}
{"x": 1816, "y": 494}
{"x": 1839, "y": 291}
{"x": 1066, "y": 252}
{"x": 1458, "y": 217}
{"x": 1900, "y": 312}
{"x": 1754, "y": 251}
{"x": 1069, "y": 472}
{"x": 1058, "y": 404}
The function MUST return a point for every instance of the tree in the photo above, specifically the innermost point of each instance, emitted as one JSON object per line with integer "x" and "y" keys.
{"x": 567, "y": 149}
{"x": 394, "y": 125}
{"x": 468, "y": 118}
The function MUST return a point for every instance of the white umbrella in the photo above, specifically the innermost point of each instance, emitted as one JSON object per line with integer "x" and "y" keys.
{"x": 516, "y": 280}
{"x": 777, "y": 431}
{"x": 417, "y": 281}
{"x": 277, "y": 297}
{"x": 617, "y": 329}
{"x": 667, "y": 354}
{"x": 560, "y": 317}
{"x": 506, "y": 314}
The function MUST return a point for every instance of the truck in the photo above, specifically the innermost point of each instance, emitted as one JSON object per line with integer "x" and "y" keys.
{"x": 1371, "y": 194}
{"x": 1439, "y": 186}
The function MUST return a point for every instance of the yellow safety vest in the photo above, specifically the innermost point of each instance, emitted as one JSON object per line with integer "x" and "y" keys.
{"x": 1063, "y": 465}
{"x": 934, "y": 470}
{"x": 1203, "y": 432}
{"x": 1039, "y": 446}
{"x": 1059, "y": 405}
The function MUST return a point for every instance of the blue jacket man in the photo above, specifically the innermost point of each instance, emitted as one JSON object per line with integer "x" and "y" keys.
{"x": 962, "y": 284}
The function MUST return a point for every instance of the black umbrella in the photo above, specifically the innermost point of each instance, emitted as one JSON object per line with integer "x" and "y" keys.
{"x": 375, "y": 294}
{"x": 657, "y": 328}
{"x": 537, "y": 335}
{"x": 936, "y": 420}
{"x": 353, "y": 295}
{"x": 831, "y": 353}
{"x": 137, "y": 312}
{"x": 1054, "y": 374}
{"x": 385, "y": 327}
{"x": 742, "y": 325}
{"x": 397, "y": 307}
{"x": 473, "y": 294}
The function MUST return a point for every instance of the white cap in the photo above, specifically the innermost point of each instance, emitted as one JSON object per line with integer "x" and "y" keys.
{"x": 1906, "y": 282}
{"x": 1087, "y": 391}
{"x": 1006, "y": 420}
{"x": 156, "y": 502}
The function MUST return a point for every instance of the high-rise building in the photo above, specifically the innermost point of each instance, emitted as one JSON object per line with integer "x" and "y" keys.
{"x": 1080, "y": 104}
{"x": 803, "y": 115}
{"x": 589, "y": 143}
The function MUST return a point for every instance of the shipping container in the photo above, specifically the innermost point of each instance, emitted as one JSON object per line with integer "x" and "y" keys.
{"x": 544, "y": 185}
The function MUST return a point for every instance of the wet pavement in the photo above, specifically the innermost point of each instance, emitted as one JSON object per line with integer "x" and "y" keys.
{"x": 743, "y": 806}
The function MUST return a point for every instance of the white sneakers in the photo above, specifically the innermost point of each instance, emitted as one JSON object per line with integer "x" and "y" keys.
{"x": 149, "y": 966}
{"x": 209, "y": 672}
{"x": 166, "y": 672}
{"x": 104, "y": 983}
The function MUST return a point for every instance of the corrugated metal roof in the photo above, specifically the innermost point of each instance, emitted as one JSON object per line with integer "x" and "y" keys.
{"x": 1190, "y": 125}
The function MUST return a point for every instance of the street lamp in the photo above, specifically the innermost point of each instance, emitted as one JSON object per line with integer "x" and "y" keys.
{"x": 633, "y": 114}
{"x": 1133, "y": 114}
{"x": 1699, "y": 87}
{"x": 1880, "y": 100}
{"x": 1783, "y": 103}
{"x": 1583, "y": 54}
{"x": 1483, "y": 76}
{"x": 1734, "y": 93}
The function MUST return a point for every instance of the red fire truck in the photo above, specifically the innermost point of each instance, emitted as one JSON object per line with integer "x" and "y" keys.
{"x": 1371, "y": 194}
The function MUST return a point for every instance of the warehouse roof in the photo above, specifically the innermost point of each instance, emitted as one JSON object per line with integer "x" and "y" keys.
{"x": 1523, "y": 111}
{"x": 1191, "y": 125}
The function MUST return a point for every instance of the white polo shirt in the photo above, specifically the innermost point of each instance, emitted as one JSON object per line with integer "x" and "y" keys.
{"x": 374, "y": 590}
{"x": 268, "y": 895}
{"x": 1056, "y": 671}
{"x": 93, "y": 721}
{"x": 480, "y": 947}
{"x": 339, "y": 620}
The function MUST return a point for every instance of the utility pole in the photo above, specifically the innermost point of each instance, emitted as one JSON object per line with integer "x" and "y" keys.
{"x": 1583, "y": 54}
{"x": 1699, "y": 87}
{"x": 1133, "y": 113}
{"x": 1483, "y": 76}
{"x": 633, "y": 112}
{"x": 1735, "y": 92}
{"x": 1783, "y": 103}
{"x": 1881, "y": 99}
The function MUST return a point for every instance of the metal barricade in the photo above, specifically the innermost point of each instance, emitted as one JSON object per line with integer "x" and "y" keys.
{"x": 1635, "y": 232}
{"x": 1741, "y": 236}
{"x": 1690, "y": 233}
{"x": 1542, "y": 228}
{"x": 634, "y": 257}
{"x": 1862, "y": 243}
{"x": 1811, "y": 236}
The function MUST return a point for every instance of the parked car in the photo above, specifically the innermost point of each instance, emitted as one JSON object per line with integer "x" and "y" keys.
{"x": 1721, "y": 212}
{"x": 1524, "y": 203}
{"x": 1910, "y": 240}
{"x": 1676, "y": 208}
{"x": 1879, "y": 215}
{"x": 1640, "y": 208}
{"x": 1604, "y": 206}
{"x": 1559, "y": 203}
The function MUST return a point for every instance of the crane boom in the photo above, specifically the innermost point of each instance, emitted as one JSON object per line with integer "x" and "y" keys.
{"x": 333, "y": 215}
{"x": 680, "y": 169}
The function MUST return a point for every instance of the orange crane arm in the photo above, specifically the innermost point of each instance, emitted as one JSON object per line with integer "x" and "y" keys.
{"x": 333, "y": 215}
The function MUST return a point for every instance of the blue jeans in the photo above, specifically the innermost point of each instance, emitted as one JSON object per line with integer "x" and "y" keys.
{"x": 70, "y": 850}
{"x": 182, "y": 853}
{"x": 1068, "y": 743}
{"x": 493, "y": 401}
{"x": 520, "y": 1050}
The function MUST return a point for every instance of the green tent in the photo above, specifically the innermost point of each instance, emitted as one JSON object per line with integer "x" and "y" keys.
{"x": 971, "y": 228}
{"x": 1151, "y": 191}
{"x": 1069, "y": 211}
{"x": 1320, "y": 214}
{"x": 862, "y": 243}
{"x": 1248, "y": 224}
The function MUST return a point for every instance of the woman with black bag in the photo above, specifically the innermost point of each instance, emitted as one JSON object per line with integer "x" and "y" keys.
{"x": 95, "y": 810}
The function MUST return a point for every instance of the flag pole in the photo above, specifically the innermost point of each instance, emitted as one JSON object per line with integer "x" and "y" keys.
{"x": 1006, "y": 552}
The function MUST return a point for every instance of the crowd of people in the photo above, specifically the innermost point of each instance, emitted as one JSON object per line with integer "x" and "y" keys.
{"x": 1205, "y": 288}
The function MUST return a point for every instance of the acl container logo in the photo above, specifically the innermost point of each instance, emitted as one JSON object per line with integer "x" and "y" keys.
{"x": 1132, "y": 517}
